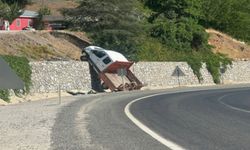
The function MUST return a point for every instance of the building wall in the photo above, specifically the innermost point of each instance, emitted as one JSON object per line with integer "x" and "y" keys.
{"x": 24, "y": 22}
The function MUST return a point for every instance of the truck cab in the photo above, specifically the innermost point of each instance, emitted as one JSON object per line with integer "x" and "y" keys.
{"x": 107, "y": 65}
{"x": 103, "y": 59}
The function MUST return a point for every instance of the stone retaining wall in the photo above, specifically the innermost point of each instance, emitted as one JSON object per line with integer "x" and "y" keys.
{"x": 71, "y": 75}
{"x": 74, "y": 75}
{"x": 159, "y": 74}
{"x": 238, "y": 73}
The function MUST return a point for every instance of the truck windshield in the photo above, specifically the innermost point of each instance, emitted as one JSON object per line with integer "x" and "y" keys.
{"x": 99, "y": 54}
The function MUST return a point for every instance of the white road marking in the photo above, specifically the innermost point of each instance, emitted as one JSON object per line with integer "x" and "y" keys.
{"x": 146, "y": 129}
{"x": 229, "y": 106}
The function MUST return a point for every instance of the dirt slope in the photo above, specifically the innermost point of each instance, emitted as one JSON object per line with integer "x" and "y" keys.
{"x": 227, "y": 45}
{"x": 38, "y": 45}
{"x": 54, "y": 5}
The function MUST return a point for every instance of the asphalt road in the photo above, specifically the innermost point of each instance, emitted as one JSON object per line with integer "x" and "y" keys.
{"x": 99, "y": 123}
{"x": 205, "y": 120}
{"x": 208, "y": 119}
{"x": 217, "y": 119}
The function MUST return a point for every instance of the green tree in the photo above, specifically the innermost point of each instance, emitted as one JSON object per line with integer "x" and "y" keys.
{"x": 239, "y": 20}
{"x": 20, "y": 3}
{"x": 42, "y": 12}
{"x": 175, "y": 24}
{"x": 230, "y": 16}
{"x": 4, "y": 8}
{"x": 112, "y": 24}
{"x": 174, "y": 9}
{"x": 9, "y": 11}
{"x": 216, "y": 13}
{"x": 184, "y": 35}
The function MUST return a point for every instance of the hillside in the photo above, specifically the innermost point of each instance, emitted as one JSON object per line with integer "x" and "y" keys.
{"x": 225, "y": 44}
{"x": 39, "y": 45}
{"x": 221, "y": 42}
{"x": 54, "y": 5}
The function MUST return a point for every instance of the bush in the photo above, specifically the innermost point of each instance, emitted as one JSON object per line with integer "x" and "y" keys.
{"x": 195, "y": 62}
{"x": 22, "y": 68}
{"x": 184, "y": 35}
{"x": 214, "y": 62}
{"x": 4, "y": 94}
{"x": 153, "y": 50}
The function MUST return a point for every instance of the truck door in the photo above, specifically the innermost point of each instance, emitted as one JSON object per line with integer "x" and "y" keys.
{"x": 97, "y": 59}
{"x": 106, "y": 61}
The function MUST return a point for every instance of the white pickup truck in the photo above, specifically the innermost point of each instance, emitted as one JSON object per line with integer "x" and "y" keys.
{"x": 107, "y": 63}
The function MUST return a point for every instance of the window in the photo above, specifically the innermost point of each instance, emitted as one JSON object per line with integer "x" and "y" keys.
{"x": 99, "y": 54}
{"x": 18, "y": 23}
{"x": 107, "y": 60}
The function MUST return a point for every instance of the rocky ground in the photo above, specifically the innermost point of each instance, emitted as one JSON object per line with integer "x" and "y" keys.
{"x": 28, "y": 125}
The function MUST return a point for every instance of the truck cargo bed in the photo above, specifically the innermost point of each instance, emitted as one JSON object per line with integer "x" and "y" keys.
{"x": 115, "y": 83}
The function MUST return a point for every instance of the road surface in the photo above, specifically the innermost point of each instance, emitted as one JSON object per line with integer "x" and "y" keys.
{"x": 207, "y": 119}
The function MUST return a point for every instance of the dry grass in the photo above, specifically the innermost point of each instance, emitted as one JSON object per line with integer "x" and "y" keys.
{"x": 225, "y": 44}
{"x": 37, "y": 52}
{"x": 54, "y": 5}
{"x": 39, "y": 45}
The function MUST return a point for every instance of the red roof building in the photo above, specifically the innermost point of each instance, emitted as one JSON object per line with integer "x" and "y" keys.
{"x": 27, "y": 19}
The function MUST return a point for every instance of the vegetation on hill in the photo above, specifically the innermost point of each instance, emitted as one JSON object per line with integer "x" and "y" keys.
{"x": 156, "y": 30}
{"x": 112, "y": 24}
{"x": 230, "y": 16}
{"x": 10, "y": 9}
{"x": 161, "y": 30}
{"x": 21, "y": 3}
{"x": 44, "y": 10}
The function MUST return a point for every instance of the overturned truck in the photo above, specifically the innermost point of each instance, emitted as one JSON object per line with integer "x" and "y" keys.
{"x": 112, "y": 67}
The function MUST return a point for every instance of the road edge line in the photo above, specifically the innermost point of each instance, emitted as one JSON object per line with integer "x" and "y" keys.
{"x": 229, "y": 106}
{"x": 156, "y": 136}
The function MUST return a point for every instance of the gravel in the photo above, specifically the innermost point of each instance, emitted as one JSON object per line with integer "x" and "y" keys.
{"x": 28, "y": 125}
